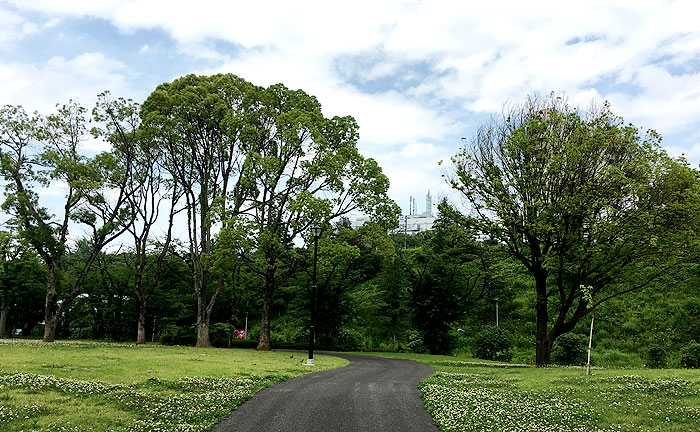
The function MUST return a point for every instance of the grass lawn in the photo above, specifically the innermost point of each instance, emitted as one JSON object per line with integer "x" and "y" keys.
{"x": 83, "y": 386}
{"x": 474, "y": 395}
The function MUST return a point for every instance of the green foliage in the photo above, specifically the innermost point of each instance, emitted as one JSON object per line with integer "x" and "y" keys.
{"x": 449, "y": 273}
{"x": 265, "y": 164}
{"x": 656, "y": 357}
{"x": 178, "y": 335}
{"x": 492, "y": 343}
{"x": 22, "y": 286}
{"x": 570, "y": 349}
{"x": 43, "y": 151}
{"x": 690, "y": 355}
{"x": 221, "y": 335}
{"x": 346, "y": 339}
{"x": 414, "y": 343}
{"x": 579, "y": 199}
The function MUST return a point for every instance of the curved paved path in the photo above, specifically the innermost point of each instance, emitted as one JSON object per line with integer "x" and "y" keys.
{"x": 370, "y": 394}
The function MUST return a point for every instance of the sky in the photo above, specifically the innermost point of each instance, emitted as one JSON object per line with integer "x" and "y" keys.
{"x": 418, "y": 76}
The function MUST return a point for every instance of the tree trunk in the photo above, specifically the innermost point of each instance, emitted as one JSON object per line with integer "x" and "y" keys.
{"x": 203, "y": 333}
{"x": 50, "y": 323}
{"x": 544, "y": 352}
{"x": 141, "y": 324}
{"x": 268, "y": 300}
{"x": 543, "y": 343}
{"x": 202, "y": 315}
{"x": 4, "y": 312}
{"x": 50, "y": 319}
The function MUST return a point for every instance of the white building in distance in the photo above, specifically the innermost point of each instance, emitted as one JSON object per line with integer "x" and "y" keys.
{"x": 413, "y": 222}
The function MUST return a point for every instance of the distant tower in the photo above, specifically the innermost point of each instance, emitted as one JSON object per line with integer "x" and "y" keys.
{"x": 428, "y": 204}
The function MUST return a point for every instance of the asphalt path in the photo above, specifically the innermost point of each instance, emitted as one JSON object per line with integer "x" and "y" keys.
{"x": 370, "y": 394}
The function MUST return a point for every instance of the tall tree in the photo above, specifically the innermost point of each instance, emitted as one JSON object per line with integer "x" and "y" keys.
{"x": 150, "y": 187}
{"x": 579, "y": 198}
{"x": 201, "y": 124}
{"x": 306, "y": 170}
{"x": 44, "y": 151}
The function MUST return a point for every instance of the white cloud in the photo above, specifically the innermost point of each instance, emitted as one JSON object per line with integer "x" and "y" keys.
{"x": 56, "y": 190}
{"x": 666, "y": 103}
{"x": 10, "y": 27}
{"x": 40, "y": 86}
{"x": 482, "y": 53}
{"x": 385, "y": 118}
{"x": 14, "y": 27}
{"x": 474, "y": 56}
{"x": 422, "y": 151}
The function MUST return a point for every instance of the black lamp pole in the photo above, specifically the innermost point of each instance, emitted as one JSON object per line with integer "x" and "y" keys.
{"x": 316, "y": 232}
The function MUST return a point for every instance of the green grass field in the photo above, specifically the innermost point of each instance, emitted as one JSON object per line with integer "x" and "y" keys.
{"x": 475, "y": 395}
{"x": 83, "y": 386}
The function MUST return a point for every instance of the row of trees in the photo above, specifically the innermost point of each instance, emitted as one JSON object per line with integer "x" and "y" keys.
{"x": 370, "y": 293}
{"x": 249, "y": 168}
{"x": 585, "y": 204}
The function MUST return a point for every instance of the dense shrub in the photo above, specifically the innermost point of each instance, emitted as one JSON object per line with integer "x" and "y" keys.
{"x": 656, "y": 357}
{"x": 345, "y": 340}
{"x": 492, "y": 343}
{"x": 414, "y": 343}
{"x": 174, "y": 335}
{"x": 290, "y": 336}
{"x": 690, "y": 355}
{"x": 390, "y": 346}
{"x": 570, "y": 349}
{"x": 221, "y": 334}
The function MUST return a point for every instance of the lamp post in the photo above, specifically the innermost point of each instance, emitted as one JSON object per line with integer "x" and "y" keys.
{"x": 316, "y": 233}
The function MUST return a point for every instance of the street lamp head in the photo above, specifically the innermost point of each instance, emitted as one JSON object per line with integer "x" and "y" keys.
{"x": 316, "y": 231}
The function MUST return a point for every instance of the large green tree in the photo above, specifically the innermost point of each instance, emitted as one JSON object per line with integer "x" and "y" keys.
{"x": 44, "y": 151}
{"x": 202, "y": 125}
{"x": 580, "y": 199}
{"x": 305, "y": 170}
{"x": 150, "y": 187}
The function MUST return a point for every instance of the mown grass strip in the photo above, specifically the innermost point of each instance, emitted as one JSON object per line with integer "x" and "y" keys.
{"x": 100, "y": 386}
{"x": 468, "y": 395}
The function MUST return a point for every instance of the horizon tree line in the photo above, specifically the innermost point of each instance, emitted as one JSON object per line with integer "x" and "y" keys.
{"x": 578, "y": 198}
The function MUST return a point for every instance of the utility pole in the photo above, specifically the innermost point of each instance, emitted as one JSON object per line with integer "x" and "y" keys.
{"x": 496, "y": 312}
